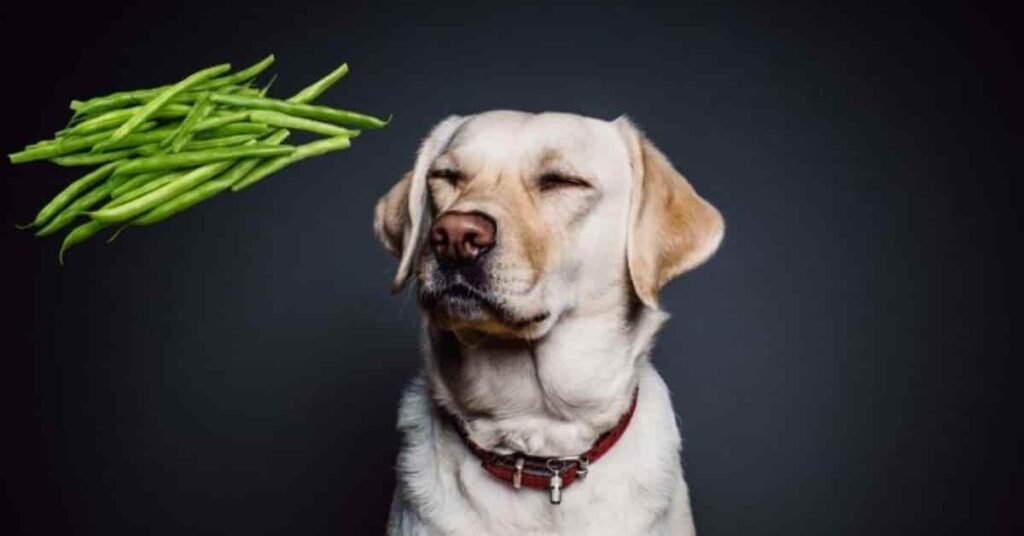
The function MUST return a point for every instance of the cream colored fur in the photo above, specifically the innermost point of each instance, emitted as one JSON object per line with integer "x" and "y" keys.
{"x": 581, "y": 267}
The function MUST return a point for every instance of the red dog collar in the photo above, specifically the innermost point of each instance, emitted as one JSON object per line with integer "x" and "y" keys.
{"x": 552, "y": 474}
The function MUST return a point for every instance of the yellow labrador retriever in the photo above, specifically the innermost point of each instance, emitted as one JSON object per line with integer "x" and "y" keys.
{"x": 539, "y": 244}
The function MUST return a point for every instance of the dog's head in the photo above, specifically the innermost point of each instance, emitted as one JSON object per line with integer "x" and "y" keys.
{"x": 508, "y": 220}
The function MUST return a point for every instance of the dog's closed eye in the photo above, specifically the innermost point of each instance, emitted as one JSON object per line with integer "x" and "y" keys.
{"x": 450, "y": 175}
{"x": 554, "y": 180}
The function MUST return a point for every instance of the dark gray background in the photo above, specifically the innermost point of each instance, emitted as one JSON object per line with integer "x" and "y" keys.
{"x": 845, "y": 365}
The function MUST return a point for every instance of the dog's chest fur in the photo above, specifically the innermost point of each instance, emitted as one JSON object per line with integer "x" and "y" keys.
{"x": 443, "y": 490}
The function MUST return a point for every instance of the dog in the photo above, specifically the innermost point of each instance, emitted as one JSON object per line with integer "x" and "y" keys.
{"x": 538, "y": 244}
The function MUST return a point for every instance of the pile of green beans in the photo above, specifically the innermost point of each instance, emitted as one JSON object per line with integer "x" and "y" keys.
{"x": 163, "y": 150}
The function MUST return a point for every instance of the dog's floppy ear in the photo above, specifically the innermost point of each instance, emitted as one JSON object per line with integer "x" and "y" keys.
{"x": 399, "y": 216}
{"x": 391, "y": 216}
{"x": 671, "y": 228}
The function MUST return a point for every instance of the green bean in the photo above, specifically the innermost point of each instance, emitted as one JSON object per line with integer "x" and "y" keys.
{"x": 117, "y": 181}
{"x": 34, "y": 147}
{"x": 301, "y": 152}
{"x": 165, "y": 149}
{"x": 51, "y": 150}
{"x": 155, "y": 149}
{"x": 75, "y": 117}
{"x": 198, "y": 158}
{"x": 309, "y": 111}
{"x": 226, "y": 141}
{"x": 70, "y": 212}
{"x": 151, "y": 149}
{"x": 80, "y": 234}
{"x": 208, "y": 189}
{"x": 277, "y": 137}
{"x": 183, "y": 134}
{"x": 180, "y": 203}
{"x": 114, "y": 101}
{"x": 166, "y": 192}
{"x": 241, "y": 76}
{"x": 115, "y": 118}
{"x": 65, "y": 146}
{"x": 119, "y": 101}
{"x": 234, "y": 129}
{"x": 162, "y": 179}
{"x": 244, "y": 91}
{"x": 41, "y": 143}
{"x": 245, "y": 166}
{"x": 71, "y": 192}
{"x": 220, "y": 121}
{"x": 278, "y": 119}
{"x": 91, "y": 159}
{"x": 311, "y": 92}
{"x": 73, "y": 145}
{"x": 165, "y": 96}
{"x": 144, "y": 138}
{"x": 131, "y": 182}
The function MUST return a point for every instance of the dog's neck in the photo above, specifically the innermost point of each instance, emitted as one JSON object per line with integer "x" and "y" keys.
{"x": 548, "y": 397}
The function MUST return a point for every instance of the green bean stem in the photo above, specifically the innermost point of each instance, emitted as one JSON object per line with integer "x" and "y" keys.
{"x": 311, "y": 92}
{"x": 165, "y": 96}
{"x": 301, "y": 152}
{"x": 71, "y": 192}
{"x": 266, "y": 89}
{"x": 309, "y": 111}
{"x": 278, "y": 119}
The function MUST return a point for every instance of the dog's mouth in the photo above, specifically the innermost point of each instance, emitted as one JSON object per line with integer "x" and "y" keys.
{"x": 458, "y": 302}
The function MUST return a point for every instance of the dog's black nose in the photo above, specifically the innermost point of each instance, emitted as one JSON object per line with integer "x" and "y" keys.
{"x": 462, "y": 236}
